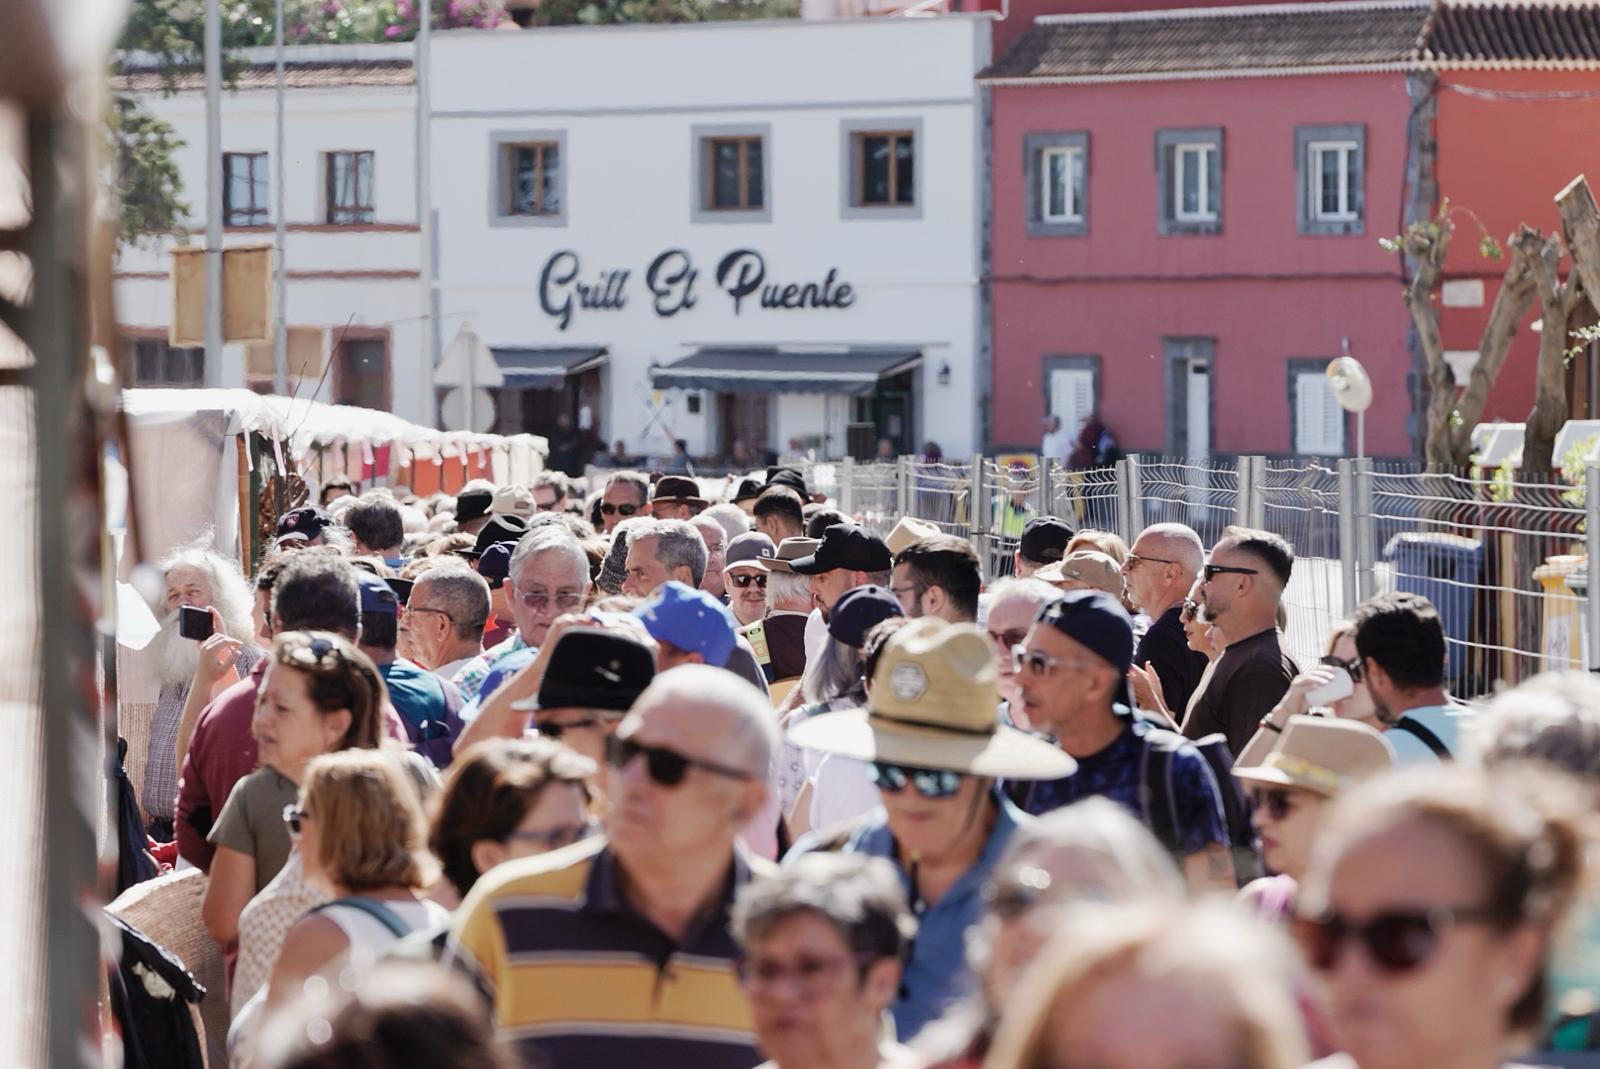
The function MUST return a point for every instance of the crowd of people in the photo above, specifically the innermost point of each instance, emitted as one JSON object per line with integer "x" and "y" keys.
{"x": 618, "y": 775}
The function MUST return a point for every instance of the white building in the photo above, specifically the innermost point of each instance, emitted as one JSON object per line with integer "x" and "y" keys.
{"x": 350, "y": 201}
{"x": 757, "y": 231}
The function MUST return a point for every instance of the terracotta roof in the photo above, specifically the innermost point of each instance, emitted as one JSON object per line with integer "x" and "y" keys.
{"x": 1514, "y": 35}
{"x": 1303, "y": 38}
{"x": 264, "y": 76}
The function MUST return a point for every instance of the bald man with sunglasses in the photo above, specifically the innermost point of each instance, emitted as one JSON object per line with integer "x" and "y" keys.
{"x": 688, "y": 768}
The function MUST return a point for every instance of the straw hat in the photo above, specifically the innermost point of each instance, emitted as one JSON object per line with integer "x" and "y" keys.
{"x": 909, "y": 531}
{"x": 1088, "y": 566}
{"x": 934, "y": 705}
{"x": 1322, "y": 755}
{"x": 792, "y": 549}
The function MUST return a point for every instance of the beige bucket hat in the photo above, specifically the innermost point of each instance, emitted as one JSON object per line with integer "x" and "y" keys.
{"x": 1086, "y": 565}
{"x": 792, "y": 549}
{"x": 909, "y": 531}
{"x": 1322, "y": 755}
{"x": 934, "y": 705}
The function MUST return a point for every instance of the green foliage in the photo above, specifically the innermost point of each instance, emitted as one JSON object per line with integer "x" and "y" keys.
{"x": 1428, "y": 231}
{"x": 149, "y": 187}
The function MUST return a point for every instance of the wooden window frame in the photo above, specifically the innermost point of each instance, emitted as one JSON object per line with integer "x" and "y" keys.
{"x": 745, "y": 143}
{"x": 508, "y": 192}
{"x": 358, "y": 214}
{"x": 231, "y": 213}
{"x": 859, "y": 175}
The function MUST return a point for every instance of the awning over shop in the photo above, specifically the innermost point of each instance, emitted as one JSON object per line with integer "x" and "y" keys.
{"x": 544, "y": 369}
{"x": 854, "y": 370}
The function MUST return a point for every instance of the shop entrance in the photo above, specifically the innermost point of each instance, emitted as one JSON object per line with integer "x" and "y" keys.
{"x": 746, "y": 418}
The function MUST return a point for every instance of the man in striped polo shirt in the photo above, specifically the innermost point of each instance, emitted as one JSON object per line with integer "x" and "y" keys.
{"x": 617, "y": 951}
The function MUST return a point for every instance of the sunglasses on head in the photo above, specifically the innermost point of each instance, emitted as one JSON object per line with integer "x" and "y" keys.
{"x": 1277, "y": 802}
{"x": 666, "y": 767}
{"x": 1397, "y": 940}
{"x": 611, "y": 510}
{"x": 931, "y": 783}
{"x": 744, "y": 579}
{"x": 1352, "y": 666}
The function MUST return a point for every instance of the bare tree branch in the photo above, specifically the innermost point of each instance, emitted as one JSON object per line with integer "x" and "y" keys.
{"x": 1580, "y": 224}
{"x": 1511, "y": 304}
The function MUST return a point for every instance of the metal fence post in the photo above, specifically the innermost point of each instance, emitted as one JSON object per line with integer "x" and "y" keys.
{"x": 979, "y": 509}
{"x": 1591, "y": 527}
{"x": 902, "y": 486}
{"x": 1131, "y": 484}
{"x": 1244, "y": 490}
{"x": 846, "y": 469}
{"x": 1125, "y": 522}
{"x": 1045, "y": 504}
{"x": 1347, "y": 534}
{"x": 1366, "y": 531}
{"x": 1250, "y": 509}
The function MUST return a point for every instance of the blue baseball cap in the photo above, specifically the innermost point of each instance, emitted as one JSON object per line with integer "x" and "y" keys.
{"x": 1097, "y": 622}
{"x": 376, "y": 594}
{"x": 691, "y": 620}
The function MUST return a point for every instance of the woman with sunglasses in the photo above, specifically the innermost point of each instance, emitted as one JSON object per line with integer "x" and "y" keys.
{"x": 363, "y": 837}
{"x": 1156, "y": 987}
{"x": 1203, "y": 638}
{"x": 1091, "y": 852}
{"x": 1314, "y": 761}
{"x": 1428, "y": 910}
{"x": 1337, "y": 673}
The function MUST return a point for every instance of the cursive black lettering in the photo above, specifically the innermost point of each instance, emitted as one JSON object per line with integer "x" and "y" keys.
{"x": 559, "y": 271}
{"x": 740, "y": 273}
{"x": 671, "y": 278}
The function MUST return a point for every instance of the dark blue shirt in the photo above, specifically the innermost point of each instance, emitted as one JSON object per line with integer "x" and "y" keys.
{"x": 1116, "y": 772}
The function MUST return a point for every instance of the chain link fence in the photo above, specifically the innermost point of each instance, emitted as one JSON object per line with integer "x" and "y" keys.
{"x": 1502, "y": 560}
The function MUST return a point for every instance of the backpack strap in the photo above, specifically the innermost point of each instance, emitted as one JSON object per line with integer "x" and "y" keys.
{"x": 1425, "y": 735}
{"x": 1155, "y": 787}
{"x": 374, "y": 909}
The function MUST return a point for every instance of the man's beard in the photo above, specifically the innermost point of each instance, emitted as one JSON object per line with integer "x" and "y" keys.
{"x": 176, "y": 657}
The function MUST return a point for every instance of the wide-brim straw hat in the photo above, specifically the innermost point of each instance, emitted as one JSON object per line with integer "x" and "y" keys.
{"x": 1323, "y": 755}
{"x": 935, "y": 705}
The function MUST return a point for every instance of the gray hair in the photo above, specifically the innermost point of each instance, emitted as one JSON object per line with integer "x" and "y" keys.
{"x": 231, "y": 595}
{"x": 703, "y": 521}
{"x": 1034, "y": 592}
{"x": 678, "y": 545}
{"x": 859, "y": 895}
{"x": 1553, "y": 719}
{"x": 549, "y": 539}
{"x": 640, "y": 484}
{"x": 833, "y": 674}
{"x": 732, "y": 518}
{"x": 787, "y": 586}
{"x": 459, "y": 591}
{"x": 1180, "y": 542}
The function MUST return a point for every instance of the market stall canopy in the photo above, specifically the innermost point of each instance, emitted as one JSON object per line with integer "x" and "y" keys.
{"x": 851, "y": 370}
{"x": 526, "y": 369}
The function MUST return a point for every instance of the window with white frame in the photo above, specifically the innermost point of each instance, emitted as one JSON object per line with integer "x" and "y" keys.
{"x": 1319, "y": 422}
{"x": 1061, "y": 199}
{"x": 1332, "y": 167}
{"x": 1072, "y": 397}
{"x": 1193, "y": 198}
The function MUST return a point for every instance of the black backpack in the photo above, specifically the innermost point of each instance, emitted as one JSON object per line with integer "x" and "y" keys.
{"x": 134, "y": 863}
{"x": 1160, "y": 803}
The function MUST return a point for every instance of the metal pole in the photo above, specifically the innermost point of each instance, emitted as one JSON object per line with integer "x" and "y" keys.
{"x": 902, "y": 487}
{"x": 1131, "y": 482}
{"x": 1044, "y": 492}
{"x": 213, "y": 67}
{"x": 280, "y": 284}
{"x": 1366, "y": 574}
{"x": 847, "y": 489}
{"x": 1591, "y": 595}
{"x": 1347, "y": 534}
{"x": 982, "y": 507}
{"x": 429, "y": 325}
{"x": 1243, "y": 491}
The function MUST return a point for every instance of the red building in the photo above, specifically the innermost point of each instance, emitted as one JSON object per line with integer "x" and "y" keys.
{"x": 1187, "y": 204}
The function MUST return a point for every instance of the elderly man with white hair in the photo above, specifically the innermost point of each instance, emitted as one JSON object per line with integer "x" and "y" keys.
{"x": 688, "y": 768}
{"x": 1013, "y": 606}
{"x": 198, "y": 578}
{"x": 548, "y": 576}
{"x": 1160, "y": 570}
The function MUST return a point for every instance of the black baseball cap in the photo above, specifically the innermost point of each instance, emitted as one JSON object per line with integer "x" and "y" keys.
{"x": 473, "y": 505}
{"x": 1098, "y": 622}
{"x": 844, "y": 545}
{"x": 592, "y": 669}
{"x": 859, "y": 610}
{"x": 1044, "y": 539}
{"x": 305, "y": 522}
{"x": 498, "y": 529}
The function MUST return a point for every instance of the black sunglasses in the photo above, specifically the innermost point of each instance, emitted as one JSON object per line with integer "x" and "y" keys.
{"x": 1397, "y": 940}
{"x": 1277, "y": 801}
{"x": 931, "y": 783}
{"x": 627, "y": 510}
{"x": 744, "y": 579}
{"x": 555, "y": 731}
{"x": 666, "y": 767}
{"x": 1214, "y": 570}
{"x": 1353, "y": 667}
{"x": 1191, "y": 610}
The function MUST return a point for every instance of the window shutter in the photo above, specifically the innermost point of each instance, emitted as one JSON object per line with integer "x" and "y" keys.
{"x": 1072, "y": 397}
{"x": 1319, "y": 421}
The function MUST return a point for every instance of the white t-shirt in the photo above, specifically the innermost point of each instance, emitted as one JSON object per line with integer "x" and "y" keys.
{"x": 1057, "y": 444}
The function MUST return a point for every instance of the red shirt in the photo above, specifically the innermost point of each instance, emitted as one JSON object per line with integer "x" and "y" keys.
{"x": 222, "y": 751}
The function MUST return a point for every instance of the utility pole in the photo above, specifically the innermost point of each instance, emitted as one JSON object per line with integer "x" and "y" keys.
{"x": 213, "y": 63}
{"x": 420, "y": 66}
{"x": 280, "y": 285}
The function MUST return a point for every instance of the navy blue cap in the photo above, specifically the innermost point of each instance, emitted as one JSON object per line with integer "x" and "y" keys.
{"x": 859, "y": 610}
{"x": 376, "y": 594}
{"x": 494, "y": 563}
{"x": 1096, "y": 621}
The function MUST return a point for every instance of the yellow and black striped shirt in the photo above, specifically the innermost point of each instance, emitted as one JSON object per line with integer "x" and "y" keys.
{"x": 580, "y": 978}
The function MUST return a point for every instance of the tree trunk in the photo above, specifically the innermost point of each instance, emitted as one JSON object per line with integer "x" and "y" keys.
{"x": 1511, "y": 304}
{"x": 1427, "y": 247}
{"x": 1580, "y": 223}
{"x": 1550, "y": 385}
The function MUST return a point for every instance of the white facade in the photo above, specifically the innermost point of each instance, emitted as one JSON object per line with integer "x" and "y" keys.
{"x": 628, "y": 107}
{"x": 361, "y": 282}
